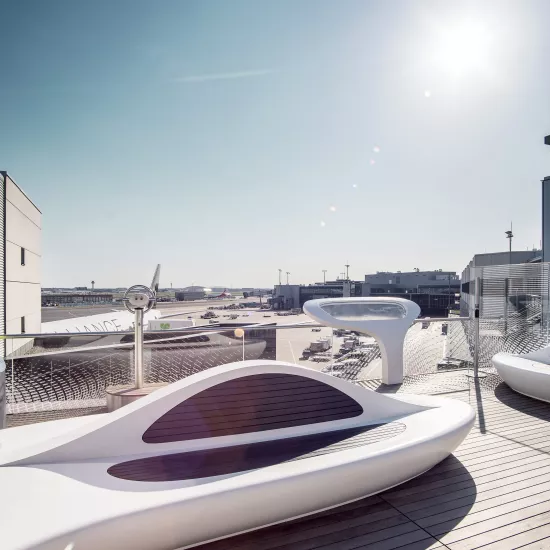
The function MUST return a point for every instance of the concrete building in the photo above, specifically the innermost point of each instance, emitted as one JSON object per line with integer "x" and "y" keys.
{"x": 434, "y": 291}
{"x": 76, "y": 298}
{"x": 546, "y": 219}
{"x": 411, "y": 282}
{"x": 294, "y": 296}
{"x": 505, "y": 258}
{"x": 20, "y": 263}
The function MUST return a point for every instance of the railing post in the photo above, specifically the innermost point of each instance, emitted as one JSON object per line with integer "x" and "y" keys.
{"x": 506, "y": 292}
{"x": 12, "y": 383}
{"x": 3, "y": 394}
{"x": 476, "y": 326}
{"x": 138, "y": 347}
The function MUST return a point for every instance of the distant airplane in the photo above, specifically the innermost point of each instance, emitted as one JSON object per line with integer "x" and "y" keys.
{"x": 224, "y": 294}
{"x": 117, "y": 320}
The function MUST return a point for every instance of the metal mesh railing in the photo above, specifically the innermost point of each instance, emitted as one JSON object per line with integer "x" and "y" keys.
{"x": 431, "y": 346}
{"x": 60, "y": 371}
{"x": 51, "y": 374}
{"x": 74, "y": 371}
{"x": 63, "y": 372}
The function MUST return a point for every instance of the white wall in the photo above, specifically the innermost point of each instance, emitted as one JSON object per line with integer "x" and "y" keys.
{"x": 23, "y": 282}
{"x": 15, "y": 272}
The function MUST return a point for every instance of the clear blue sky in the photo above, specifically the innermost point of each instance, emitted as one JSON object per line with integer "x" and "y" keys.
{"x": 244, "y": 134}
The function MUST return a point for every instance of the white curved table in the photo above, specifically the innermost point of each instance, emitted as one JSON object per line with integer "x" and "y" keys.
{"x": 386, "y": 319}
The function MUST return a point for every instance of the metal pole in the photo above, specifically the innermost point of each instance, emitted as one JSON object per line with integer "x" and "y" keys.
{"x": 324, "y": 276}
{"x": 449, "y": 296}
{"x": 3, "y": 394}
{"x": 280, "y": 271}
{"x": 509, "y": 236}
{"x": 506, "y": 292}
{"x": 476, "y": 326}
{"x": 12, "y": 383}
{"x": 138, "y": 348}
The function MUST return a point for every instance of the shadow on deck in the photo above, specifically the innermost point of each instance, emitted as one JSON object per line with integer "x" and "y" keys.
{"x": 494, "y": 492}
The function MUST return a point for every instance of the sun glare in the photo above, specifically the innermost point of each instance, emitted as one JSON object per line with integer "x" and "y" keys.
{"x": 464, "y": 48}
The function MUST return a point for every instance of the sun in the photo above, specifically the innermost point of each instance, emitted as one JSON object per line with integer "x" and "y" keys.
{"x": 464, "y": 48}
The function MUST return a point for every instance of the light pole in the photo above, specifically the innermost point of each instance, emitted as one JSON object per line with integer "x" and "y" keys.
{"x": 324, "y": 276}
{"x": 287, "y": 274}
{"x": 239, "y": 333}
{"x": 280, "y": 272}
{"x": 347, "y": 271}
{"x": 510, "y": 236}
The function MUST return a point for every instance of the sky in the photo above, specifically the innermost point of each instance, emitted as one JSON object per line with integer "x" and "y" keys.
{"x": 227, "y": 140}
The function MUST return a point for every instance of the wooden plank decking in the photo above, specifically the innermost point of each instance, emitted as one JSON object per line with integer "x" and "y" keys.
{"x": 493, "y": 493}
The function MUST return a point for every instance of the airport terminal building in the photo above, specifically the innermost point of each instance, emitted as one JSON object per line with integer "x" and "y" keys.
{"x": 76, "y": 298}
{"x": 434, "y": 291}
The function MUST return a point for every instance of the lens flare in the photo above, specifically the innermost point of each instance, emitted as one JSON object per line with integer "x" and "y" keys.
{"x": 333, "y": 209}
{"x": 376, "y": 149}
{"x": 372, "y": 161}
{"x": 323, "y": 224}
{"x": 427, "y": 93}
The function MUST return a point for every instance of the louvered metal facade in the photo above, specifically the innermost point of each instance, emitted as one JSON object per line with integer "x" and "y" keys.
{"x": 2, "y": 262}
{"x": 513, "y": 307}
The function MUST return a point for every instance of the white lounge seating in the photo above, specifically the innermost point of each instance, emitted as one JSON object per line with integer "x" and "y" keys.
{"x": 227, "y": 450}
{"x": 528, "y": 373}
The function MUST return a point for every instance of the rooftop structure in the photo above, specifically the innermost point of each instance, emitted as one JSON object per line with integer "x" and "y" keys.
{"x": 502, "y": 258}
{"x": 20, "y": 261}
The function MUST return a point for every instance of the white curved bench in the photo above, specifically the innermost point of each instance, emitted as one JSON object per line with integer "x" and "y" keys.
{"x": 528, "y": 373}
{"x": 224, "y": 451}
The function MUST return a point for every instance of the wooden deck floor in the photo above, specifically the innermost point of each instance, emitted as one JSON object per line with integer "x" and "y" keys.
{"x": 493, "y": 493}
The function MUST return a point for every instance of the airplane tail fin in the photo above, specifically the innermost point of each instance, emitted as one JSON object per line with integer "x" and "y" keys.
{"x": 156, "y": 277}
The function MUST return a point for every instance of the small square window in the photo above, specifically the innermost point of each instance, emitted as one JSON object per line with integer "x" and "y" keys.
{"x": 22, "y": 256}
